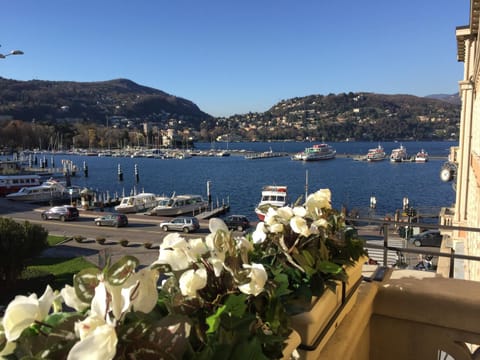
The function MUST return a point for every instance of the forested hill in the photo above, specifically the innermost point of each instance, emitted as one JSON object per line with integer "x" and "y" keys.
{"x": 359, "y": 116}
{"x": 91, "y": 101}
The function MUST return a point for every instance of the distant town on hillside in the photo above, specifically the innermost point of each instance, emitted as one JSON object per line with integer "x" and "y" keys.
{"x": 46, "y": 114}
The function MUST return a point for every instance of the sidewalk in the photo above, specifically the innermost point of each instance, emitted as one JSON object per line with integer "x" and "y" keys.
{"x": 97, "y": 253}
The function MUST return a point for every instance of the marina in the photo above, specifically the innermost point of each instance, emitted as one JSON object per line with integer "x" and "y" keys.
{"x": 237, "y": 182}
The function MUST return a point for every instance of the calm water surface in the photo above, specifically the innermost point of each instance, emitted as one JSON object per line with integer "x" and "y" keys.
{"x": 239, "y": 181}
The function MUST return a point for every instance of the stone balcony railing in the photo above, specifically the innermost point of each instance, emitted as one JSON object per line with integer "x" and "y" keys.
{"x": 409, "y": 315}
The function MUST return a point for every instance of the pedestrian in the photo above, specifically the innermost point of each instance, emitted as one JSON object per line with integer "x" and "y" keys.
{"x": 385, "y": 223}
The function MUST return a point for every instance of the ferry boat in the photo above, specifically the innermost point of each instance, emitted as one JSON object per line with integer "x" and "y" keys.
{"x": 272, "y": 196}
{"x": 398, "y": 154}
{"x": 137, "y": 203}
{"x": 180, "y": 205}
{"x": 49, "y": 191}
{"x": 316, "y": 152}
{"x": 422, "y": 156}
{"x": 376, "y": 154}
{"x": 13, "y": 183}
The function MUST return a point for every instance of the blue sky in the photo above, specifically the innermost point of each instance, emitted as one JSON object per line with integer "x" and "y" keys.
{"x": 232, "y": 57}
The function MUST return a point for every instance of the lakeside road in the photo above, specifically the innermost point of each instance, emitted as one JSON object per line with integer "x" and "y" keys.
{"x": 141, "y": 229}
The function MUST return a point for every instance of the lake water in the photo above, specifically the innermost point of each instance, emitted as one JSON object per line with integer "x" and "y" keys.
{"x": 239, "y": 181}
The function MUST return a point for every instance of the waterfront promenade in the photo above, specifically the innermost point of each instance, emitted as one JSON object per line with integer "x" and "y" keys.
{"x": 145, "y": 229}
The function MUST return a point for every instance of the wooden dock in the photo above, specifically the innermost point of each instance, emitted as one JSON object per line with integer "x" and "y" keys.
{"x": 219, "y": 210}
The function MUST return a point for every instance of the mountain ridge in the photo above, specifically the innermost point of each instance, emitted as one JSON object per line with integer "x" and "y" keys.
{"x": 91, "y": 101}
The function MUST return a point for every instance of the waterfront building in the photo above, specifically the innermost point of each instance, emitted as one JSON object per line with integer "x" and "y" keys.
{"x": 466, "y": 210}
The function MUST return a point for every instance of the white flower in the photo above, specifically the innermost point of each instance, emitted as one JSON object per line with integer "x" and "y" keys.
{"x": 243, "y": 243}
{"x": 299, "y": 225}
{"x": 270, "y": 216}
{"x": 258, "y": 277}
{"x": 285, "y": 213}
{"x": 318, "y": 200}
{"x": 260, "y": 233}
{"x": 145, "y": 295}
{"x": 85, "y": 327}
{"x": 321, "y": 223}
{"x": 299, "y": 211}
{"x": 216, "y": 224}
{"x": 276, "y": 228}
{"x": 99, "y": 344}
{"x": 217, "y": 264}
{"x": 116, "y": 299}
{"x": 191, "y": 281}
{"x": 8, "y": 349}
{"x": 172, "y": 252}
{"x": 24, "y": 311}
{"x": 71, "y": 299}
{"x": 195, "y": 249}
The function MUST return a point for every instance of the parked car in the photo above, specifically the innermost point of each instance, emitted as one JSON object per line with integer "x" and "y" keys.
{"x": 63, "y": 213}
{"x": 184, "y": 223}
{"x": 116, "y": 220}
{"x": 427, "y": 238}
{"x": 237, "y": 222}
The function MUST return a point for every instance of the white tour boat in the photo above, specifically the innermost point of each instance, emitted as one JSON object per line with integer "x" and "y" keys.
{"x": 49, "y": 191}
{"x": 316, "y": 152}
{"x": 272, "y": 196}
{"x": 180, "y": 205}
{"x": 399, "y": 154}
{"x": 376, "y": 154}
{"x": 13, "y": 183}
{"x": 422, "y": 156}
{"x": 137, "y": 203}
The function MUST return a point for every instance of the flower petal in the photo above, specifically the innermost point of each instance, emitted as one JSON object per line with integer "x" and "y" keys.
{"x": 100, "y": 344}
{"x": 259, "y": 235}
{"x": 258, "y": 276}
{"x": 216, "y": 224}
{"x": 20, "y": 314}
{"x": 191, "y": 281}
{"x": 71, "y": 299}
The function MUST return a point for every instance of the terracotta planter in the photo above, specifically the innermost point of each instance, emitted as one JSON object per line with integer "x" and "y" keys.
{"x": 318, "y": 325}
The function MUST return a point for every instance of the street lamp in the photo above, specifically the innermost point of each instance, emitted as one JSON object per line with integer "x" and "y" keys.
{"x": 13, "y": 52}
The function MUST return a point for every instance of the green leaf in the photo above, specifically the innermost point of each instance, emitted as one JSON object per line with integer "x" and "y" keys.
{"x": 328, "y": 267}
{"x": 309, "y": 259}
{"x": 85, "y": 283}
{"x": 281, "y": 281}
{"x": 119, "y": 272}
{"x": 236, "y": 305}
{"x": 213, "y": 321}
{"x": 55, "y": 319}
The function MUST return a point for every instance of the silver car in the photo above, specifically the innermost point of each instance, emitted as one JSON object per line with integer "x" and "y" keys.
{"x": 184, "y": 223}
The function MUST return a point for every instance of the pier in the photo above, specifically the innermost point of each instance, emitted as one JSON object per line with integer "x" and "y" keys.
{"x": 213, "y": 212}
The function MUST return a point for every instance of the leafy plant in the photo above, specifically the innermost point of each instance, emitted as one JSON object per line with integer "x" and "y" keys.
{"x": 19, "y": 242}
{"x": 222, "y": 297}
{"x": 100, "y": 240}
{"x": 79, "y": 238}
{"x": 308, "y": 245}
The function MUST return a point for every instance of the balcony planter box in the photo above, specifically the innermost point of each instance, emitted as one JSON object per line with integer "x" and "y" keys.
{"x": 318, "y": 324}
{"x": 291, "y": 345}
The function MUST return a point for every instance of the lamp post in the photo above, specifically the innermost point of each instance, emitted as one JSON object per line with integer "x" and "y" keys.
{"x": 13, "y": 52}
